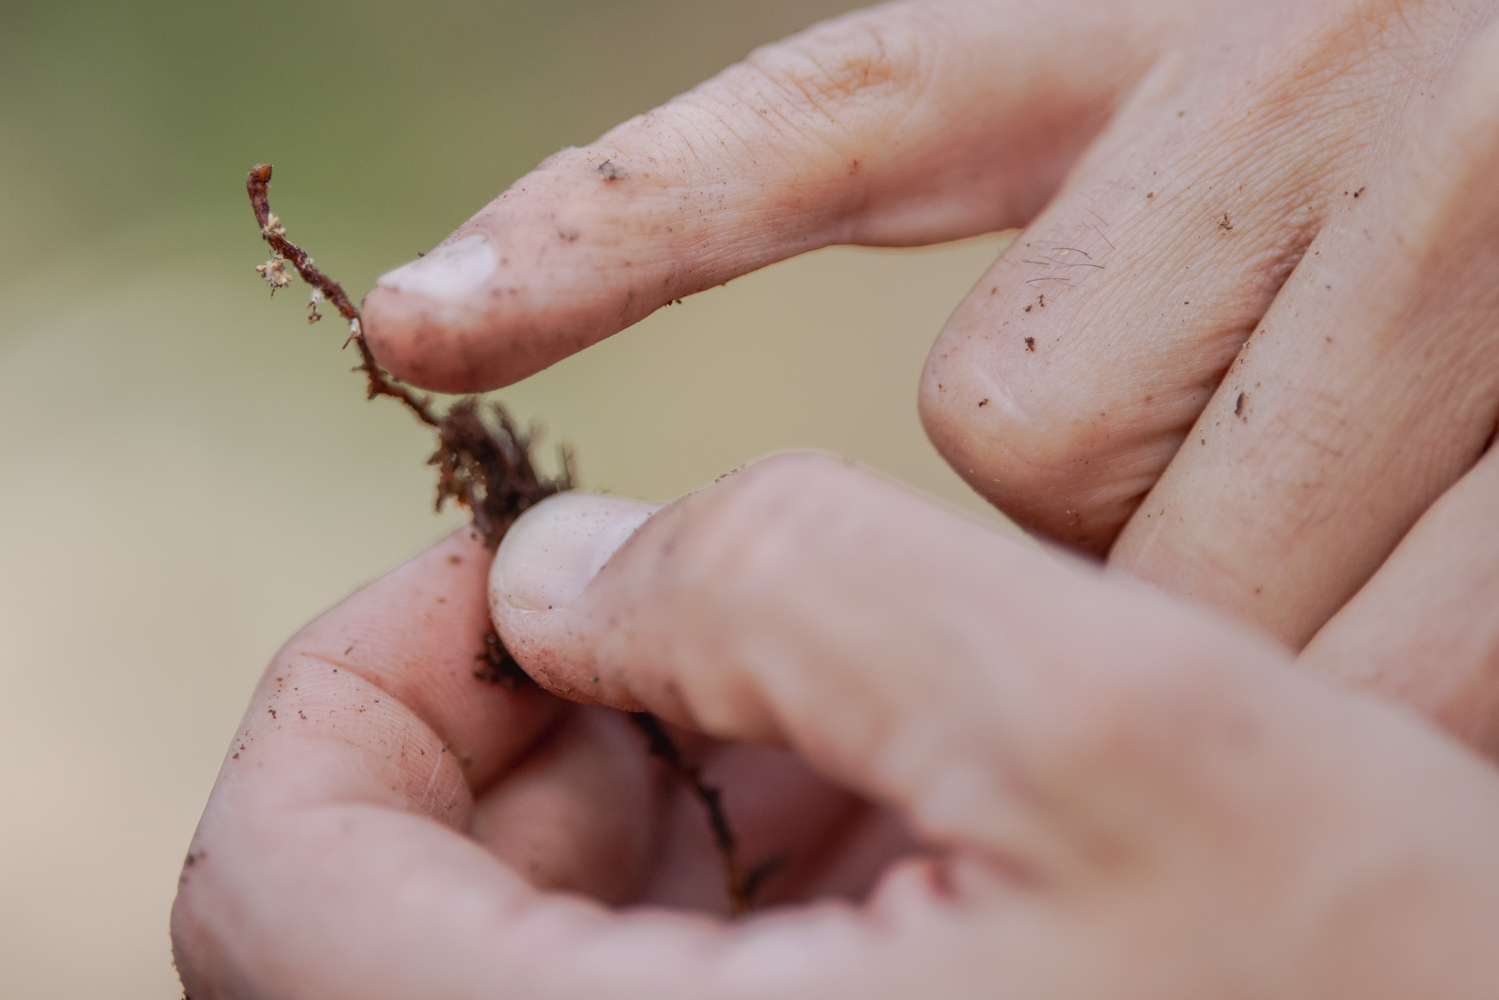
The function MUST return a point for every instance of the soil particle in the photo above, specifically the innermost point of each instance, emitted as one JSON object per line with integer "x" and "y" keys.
{"x": 984, "y": 402}
{"x": 499, "y": 667}
{"x": 1030, "y": 345}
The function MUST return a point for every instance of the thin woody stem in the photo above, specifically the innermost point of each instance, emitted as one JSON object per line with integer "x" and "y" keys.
{"x": 380, "y": 384}
{"x": 483, "y": 459}
{"x": 485, "y": 464}
{"x": 664, "y": 747}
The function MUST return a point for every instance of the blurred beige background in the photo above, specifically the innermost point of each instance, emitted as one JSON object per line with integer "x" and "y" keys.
{"x": 190, "y": 471}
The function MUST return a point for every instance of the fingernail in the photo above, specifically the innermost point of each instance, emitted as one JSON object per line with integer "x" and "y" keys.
{"x": 550, "y": 554}
{"x": 453, "y": 271}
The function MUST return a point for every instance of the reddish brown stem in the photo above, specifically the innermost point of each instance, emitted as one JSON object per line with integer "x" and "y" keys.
{"x": 483, "y": 460}
{"x": 380, "y": 384}
{"x": 484, "y": 464}
{"x": 664, "y": 747}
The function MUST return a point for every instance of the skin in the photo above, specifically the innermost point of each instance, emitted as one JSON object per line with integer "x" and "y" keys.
{"x": 1289, "y": 200}
{"x": 993, "y": 771}
{"x": 984, "y": 761}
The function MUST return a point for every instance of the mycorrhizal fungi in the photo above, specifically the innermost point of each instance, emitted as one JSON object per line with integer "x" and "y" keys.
{"x": 483, "y": 461}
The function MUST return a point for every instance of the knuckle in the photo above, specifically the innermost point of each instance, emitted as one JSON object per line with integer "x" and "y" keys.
{"x": 864, "y": 57}
{"x": 982, "y": 431}
{"x": 1062, "y": 451}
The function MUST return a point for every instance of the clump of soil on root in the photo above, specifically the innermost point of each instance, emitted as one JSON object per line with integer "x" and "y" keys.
{"x": 483, "y": 459}
{"x": 483, "y": 462}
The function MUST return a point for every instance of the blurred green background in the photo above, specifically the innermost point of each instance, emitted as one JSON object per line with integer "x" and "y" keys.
{"x": 189, "y": 470}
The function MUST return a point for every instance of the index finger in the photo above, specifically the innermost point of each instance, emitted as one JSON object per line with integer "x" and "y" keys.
{"x": 912, "y": 123}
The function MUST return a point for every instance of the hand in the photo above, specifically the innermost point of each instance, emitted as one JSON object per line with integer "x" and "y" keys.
{"x": 1246, "y": 340}
{"x": 1113, "y": 795}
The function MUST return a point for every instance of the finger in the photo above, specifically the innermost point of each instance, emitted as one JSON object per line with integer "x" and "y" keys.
{"x": 906, "y": 653}
{"x": 411, "y": 642}
{"x": 1070, "y": 377}
{"x": 367, "y": 734}
{"x": 327, "y": 864}
{"x": 910, "y": 123}
{"x": 582, "y": 813}
{"x": 863, "y": 854}
{"x": 1070, "y": 747}
{"x": 1424, "y": 631}
{"x": 1369, "y": 388}
{"x": 780, "y": 814}
{"x": 317, "y": 873}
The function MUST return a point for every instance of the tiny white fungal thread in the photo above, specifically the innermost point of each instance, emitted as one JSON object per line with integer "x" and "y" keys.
{"x": 274, "y": 273}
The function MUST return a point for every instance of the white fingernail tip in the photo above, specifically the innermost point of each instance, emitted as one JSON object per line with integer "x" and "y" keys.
{"x": 453, "y": 271}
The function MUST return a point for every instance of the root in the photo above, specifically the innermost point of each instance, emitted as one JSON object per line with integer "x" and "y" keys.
{"x": 483, "y": 460}
{"x": 664, "y": 747}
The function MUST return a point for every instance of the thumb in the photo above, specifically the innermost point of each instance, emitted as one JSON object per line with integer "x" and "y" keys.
{"x": 1004, "y": 699}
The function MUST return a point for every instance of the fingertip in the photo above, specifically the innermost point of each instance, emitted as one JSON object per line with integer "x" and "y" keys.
{"x": 558, "y": 546}
{"x": 418, "y": 635}
{"x": 452, "y": 272}
{"x": 445, "y": 346}
{"x": 376, "y": 630}
{"x": 546, "y": 560}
